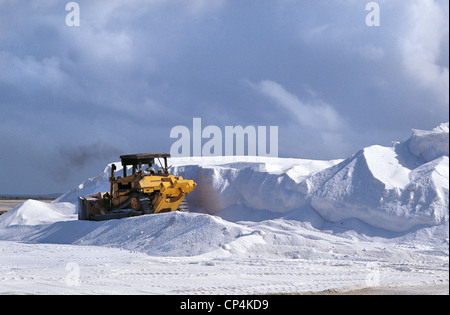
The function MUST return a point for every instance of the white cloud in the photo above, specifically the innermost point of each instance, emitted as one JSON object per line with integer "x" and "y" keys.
{"x": 104, "y": 46}
{"x": 315, "y": 122}
{"x": 314, "y": 114}
{"x": 426, "y": 31}
{"x": 29, "y": 73}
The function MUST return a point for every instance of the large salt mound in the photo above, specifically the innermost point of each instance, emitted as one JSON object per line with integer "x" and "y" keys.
{"x": 393, "y": 188}
{"x": 430, "y": 145}
{"x": 273, "y": 185}
{"x": 396, "y": 188}
{"x": 248, "y": 183}
{"x": 382, "y": 192}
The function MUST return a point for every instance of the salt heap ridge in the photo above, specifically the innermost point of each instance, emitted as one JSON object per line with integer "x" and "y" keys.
{"x": 396, "y": 188}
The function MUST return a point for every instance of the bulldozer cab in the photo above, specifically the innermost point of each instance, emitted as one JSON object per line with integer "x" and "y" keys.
{"x": 139, "y": 160}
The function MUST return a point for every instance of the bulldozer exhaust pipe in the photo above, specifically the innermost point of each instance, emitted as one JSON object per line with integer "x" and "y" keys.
{"x": 112, "y": 179}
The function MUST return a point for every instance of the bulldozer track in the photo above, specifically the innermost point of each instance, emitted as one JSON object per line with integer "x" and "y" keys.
{"x": 124, "y": 204}
{"x": 144, "y": 200}
{"x": 183, "y": 206}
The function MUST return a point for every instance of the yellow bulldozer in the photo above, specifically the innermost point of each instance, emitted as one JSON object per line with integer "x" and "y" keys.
{"x": 145, "y": 191}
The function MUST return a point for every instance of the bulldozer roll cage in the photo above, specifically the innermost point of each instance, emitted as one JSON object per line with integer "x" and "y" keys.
{"x": 144, "y": 158}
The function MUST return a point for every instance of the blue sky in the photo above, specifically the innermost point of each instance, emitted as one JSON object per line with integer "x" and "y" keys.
{"x": 74, "y": 98}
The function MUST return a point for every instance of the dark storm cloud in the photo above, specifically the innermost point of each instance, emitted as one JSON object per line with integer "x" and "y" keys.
{"x": 134, "y": 69}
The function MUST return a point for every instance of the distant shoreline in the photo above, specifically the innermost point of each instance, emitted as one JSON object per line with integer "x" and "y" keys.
{"x": 26, "y": 197}
{"x": 9, "y": 204}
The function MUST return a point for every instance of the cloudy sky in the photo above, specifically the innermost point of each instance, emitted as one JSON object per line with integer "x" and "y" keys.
{"x": 74, "y": 98}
